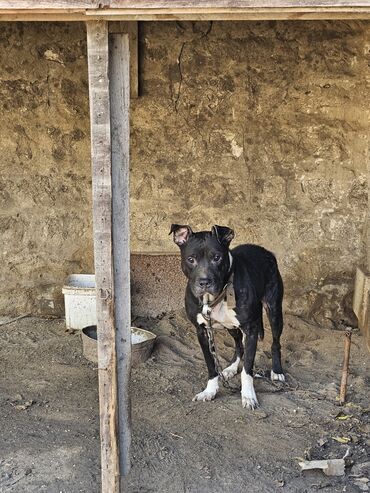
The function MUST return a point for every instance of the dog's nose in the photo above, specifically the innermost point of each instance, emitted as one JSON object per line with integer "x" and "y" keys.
{"x": 204, "y": 282}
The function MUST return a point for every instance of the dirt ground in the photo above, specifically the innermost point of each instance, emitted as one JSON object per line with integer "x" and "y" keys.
{"x": 49, "y": 439}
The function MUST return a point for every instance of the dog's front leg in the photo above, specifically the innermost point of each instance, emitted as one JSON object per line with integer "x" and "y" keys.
{"x": 249, "y": 398}
{"x": 232, "y": 369}
{"x": 211, "y": 390}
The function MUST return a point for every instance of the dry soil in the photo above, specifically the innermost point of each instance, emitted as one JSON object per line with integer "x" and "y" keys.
{"x": 50, "y": 426}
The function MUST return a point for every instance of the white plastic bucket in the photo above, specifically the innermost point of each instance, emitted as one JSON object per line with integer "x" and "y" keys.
{"x": 80, "y": 301}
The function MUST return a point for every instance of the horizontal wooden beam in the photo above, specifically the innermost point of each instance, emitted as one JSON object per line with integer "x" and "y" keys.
{"x": 142, "y": 5}
{"x": 49, "y": 4}
{"x": 149, "y": 10}
{"x": 228, "y": 14}
{"x": 258, "y": 15}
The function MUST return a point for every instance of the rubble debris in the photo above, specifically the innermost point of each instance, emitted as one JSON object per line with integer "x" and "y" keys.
{"x": 330, "y": 467}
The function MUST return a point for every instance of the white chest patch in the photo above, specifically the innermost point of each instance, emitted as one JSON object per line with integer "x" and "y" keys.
{"x": 221, "y": 316}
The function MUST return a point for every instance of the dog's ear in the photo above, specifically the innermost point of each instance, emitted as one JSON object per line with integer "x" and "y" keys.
{"x": 223, "y": 234}
{"x": 181, "y": 233}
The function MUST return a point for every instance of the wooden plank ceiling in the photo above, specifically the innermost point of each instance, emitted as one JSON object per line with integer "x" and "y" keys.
{"x": 77, "y": 10}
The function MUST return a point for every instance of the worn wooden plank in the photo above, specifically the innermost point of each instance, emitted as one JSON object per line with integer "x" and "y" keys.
{"x": 233, "y": 4}
{"x": 119, "y": 76}
{"x": 135, "y": 10}
{"x": 130, "y": 28}
{"x": 361, "y": 296}
{"x": 176, "y": 4}
{"x": 49, "y": 4}
{"x": 367, "y": 223}
{"x": 97, "y": 44}
{"x": 256, "y": 11}
{"x": 361, "y": 302}
{"x": 191, "y": 14}
{"x": 43, "y": 16}
{"x": 231, "y": 15}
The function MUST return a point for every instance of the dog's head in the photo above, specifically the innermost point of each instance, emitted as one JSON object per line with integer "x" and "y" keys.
{"x": 205, "y": 258}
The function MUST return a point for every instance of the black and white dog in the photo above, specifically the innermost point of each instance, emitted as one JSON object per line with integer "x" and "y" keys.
{"x": 209, "y": 265}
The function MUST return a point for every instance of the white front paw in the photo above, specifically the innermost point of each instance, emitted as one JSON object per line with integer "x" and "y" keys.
{"x": 204, "y": 396}
{"x": 277, "y": 377}
{"x": 249, "y": 402}
{"x": 249, "y": 398}
{"x": 209, "y": 393}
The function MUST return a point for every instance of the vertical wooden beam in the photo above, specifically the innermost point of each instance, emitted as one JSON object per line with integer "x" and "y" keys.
{"x": 130, "y": 28}
{"x": 98, "y": 58}
{"x": 345, "y": 369}
{"x": 367, "y": 223}
{"x": 119, "y": 76}
{"x": 133, "y": 32}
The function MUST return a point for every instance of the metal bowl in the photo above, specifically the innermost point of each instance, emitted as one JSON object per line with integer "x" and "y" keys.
{"x": 142, "y": 344}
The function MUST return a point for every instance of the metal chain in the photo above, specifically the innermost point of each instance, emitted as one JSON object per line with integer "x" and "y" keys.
{"x": 206, "y": 312}
{"x": 212, "y": 348}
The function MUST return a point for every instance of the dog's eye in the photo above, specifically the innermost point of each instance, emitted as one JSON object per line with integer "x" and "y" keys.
{"x": 191, "y": 260}
{"x": 217, "y": 257}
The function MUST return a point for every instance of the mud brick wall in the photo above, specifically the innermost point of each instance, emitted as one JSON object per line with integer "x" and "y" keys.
{"x": 262, "y": 126}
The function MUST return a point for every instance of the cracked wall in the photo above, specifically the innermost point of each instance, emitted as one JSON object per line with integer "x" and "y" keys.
{"x": 45, "y": 184}
{"x": 262, "y": 126}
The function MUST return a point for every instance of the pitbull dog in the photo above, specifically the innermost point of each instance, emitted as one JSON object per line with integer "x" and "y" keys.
{"x": 209, "y": 265}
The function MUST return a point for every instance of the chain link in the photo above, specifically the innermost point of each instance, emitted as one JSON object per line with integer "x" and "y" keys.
{"x": 212, "y": 348}
{"x": 226, "y": 294}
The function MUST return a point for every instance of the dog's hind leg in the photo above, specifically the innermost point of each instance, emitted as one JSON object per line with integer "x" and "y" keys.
{"x": 275, "y": 315}
{"x": 252, "y": 329}
{"x": 232, "y": 369}
{"x": 274, "y": 299}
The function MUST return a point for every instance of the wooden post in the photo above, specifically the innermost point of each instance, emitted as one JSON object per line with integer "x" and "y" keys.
{"x": 131, "y": 28}
{"x": 361, "y": 296}
{"x": 344, "y": 379}
{"x": 119, "y": 75}
{"x": 98, "y": 58}
{"x": 109, "y": 90}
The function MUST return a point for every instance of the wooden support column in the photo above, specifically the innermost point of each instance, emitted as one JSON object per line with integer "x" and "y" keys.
{"x": 109, "y": 103}
{"x": 367, "y": 223}
{"x": 130, "y": 28}
{"x": 119, "y": 76}
{"x": 98, "y": 58}
{"x": 361, "y": 296}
